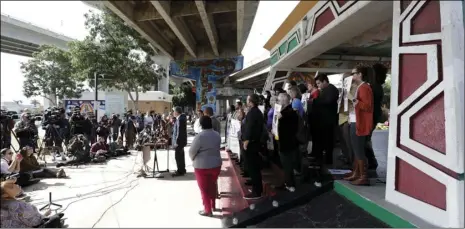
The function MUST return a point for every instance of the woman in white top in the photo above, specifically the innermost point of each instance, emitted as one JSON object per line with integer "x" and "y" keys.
{"x": 197, "y": 127}
{"x": 7, "y": 157}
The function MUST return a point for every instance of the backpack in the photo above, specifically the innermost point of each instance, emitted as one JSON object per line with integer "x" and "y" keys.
{"x": 301, "y": 134}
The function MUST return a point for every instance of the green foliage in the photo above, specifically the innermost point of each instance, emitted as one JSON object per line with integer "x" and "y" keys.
{"x": 182, "y": 95}
{"x": 50, "y": 73}
{"x": 118, "y": 51}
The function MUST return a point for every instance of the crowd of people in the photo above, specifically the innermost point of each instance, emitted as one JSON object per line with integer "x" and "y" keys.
{"x": 313, "y": 117}
{"x": 310, "y": 120}
{"x": 85, "y": 140}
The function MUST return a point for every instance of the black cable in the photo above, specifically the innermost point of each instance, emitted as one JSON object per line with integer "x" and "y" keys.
{"x": 114, "y": 204}
{"x": 100, "y": 189}
{"x": 124, "y": 176}
{"x": 101, "y": 194}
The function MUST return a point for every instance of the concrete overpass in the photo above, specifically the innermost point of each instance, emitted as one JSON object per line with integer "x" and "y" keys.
{"x": 188, "y": 30}
{"x": 23, "y": 38}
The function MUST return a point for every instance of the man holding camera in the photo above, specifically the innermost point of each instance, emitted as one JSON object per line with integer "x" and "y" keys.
{"x": 54, "y": 126}
{"x": 26, "y": 131}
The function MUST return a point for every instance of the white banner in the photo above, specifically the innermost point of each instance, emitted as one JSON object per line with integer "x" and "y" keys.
{"x": 274, "y": 129}
{"x": 115, "y": 103}
{"x": 234, "y": 127}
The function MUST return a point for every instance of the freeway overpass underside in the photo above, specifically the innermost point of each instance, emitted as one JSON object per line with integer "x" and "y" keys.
{"x": 189, "y": 30}
{"x": 18, "y": 47}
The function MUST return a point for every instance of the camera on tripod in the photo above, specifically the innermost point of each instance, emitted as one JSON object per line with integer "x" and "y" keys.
{"x": 53, "y": 115}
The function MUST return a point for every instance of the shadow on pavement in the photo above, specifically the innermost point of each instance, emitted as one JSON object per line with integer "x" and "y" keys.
{"x": 188, "y": 177}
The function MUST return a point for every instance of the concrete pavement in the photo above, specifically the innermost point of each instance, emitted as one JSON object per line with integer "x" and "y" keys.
{"x": 110, "y": 195}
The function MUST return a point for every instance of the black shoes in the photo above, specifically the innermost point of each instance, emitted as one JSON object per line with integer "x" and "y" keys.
{"x": 252, "y": 196}
{"x": 178, "y": 174}
{"x": 203, "y": 213}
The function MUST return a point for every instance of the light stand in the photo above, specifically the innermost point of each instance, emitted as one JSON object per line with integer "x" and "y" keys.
{"x": 50, "y": 203}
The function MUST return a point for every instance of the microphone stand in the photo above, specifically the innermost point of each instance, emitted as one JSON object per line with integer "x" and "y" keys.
{"x": 50, "y": 203}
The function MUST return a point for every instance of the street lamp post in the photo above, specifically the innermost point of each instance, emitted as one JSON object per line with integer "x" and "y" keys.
{"x": 96, "y": 105}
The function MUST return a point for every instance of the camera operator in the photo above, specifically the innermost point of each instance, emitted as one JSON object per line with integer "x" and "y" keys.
{"x": 115, "y": 124}
{"x": 66, "y": 127}
{"x": 79, "y": 125}
{"x": 6, "y": 126}
{"x": 130, "y": 129}
{"x": 54, "y": 126}
{"x": 26, "y": 131}
{"x": 94, "y": 126}
{"x": 103, "y": 129}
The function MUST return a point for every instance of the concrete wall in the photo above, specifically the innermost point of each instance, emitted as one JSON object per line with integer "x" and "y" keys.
{"x": 157, "y": 106}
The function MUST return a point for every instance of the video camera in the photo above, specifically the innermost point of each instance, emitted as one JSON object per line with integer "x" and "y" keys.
{"x": 53, "y": 115}
{"x": 4, "y": 116}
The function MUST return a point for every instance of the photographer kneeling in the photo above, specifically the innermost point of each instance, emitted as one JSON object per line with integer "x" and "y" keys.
{"x": 78, "y": 150}
{"x": 19, "y": 214}
{"x": 99, "y": 151}
{"x": 29, "y": 164}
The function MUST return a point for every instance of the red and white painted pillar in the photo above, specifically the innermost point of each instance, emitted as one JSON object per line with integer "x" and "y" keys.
{"x": 426, "y": 142}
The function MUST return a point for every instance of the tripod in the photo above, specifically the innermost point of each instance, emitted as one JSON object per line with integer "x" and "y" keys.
{"x": 50, "y": 134}
{"x": 50, "y": 203}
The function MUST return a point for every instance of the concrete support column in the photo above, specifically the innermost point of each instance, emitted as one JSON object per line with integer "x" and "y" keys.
{"x": 426, "y": 143}
{"x": 163, "y": 83}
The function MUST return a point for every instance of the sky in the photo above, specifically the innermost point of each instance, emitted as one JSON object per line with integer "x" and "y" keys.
{"x": 67, "y": 18}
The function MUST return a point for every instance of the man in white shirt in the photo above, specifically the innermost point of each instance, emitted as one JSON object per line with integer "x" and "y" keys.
{"x": 148, "y": 120}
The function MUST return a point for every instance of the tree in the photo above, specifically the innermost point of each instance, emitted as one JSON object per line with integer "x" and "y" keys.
{"x": 182, "y": 95}
{"x": 34, "y": 102}
{"x": 49, "y": 74}
{"x": 118, "y": 51}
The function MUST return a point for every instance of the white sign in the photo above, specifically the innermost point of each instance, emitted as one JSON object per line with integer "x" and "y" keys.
{"x": 346, "y": 85}
{"x": 274, "y": 129}
{"x": 234, "y": 128}
{"x": 115, "y": 103}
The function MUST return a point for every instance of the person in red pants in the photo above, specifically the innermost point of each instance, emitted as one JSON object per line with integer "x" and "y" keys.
{"x": 206, "y": 159}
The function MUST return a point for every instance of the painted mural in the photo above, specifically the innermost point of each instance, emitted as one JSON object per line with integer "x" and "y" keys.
{"x": 206, "y": 73}
{"x": 301, "y": 77}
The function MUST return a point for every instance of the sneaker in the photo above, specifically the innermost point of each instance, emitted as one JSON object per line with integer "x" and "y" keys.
{"x": 61, "y": 173}
{"x": 252, "y": 196}
{"x": 290, "y": 188}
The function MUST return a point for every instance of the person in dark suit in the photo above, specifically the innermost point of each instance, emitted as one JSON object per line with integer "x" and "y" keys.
{"x": 253, "y": 127}
{"x": 288, "y": 144}
{"x": 179, "y": 140}
{"x": 325, "y": 107}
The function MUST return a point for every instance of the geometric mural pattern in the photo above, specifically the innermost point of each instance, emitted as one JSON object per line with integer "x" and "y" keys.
{"x": 423, "y": 174}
